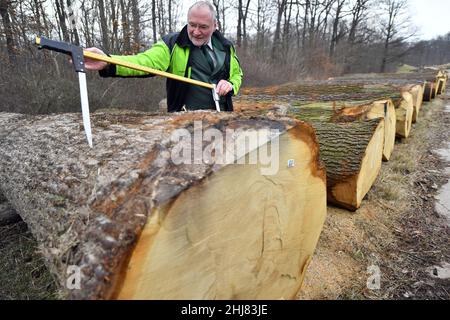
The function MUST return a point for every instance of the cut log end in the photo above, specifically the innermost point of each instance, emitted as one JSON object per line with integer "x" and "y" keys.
{"x": 404, "y": 109}
{"x": 237, "y": 235}
{"x": 206, "y": 230}
{"x": 352, "y": 153}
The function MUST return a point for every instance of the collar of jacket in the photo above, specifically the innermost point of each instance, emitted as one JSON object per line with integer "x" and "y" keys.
{"x": 184, "y": 41}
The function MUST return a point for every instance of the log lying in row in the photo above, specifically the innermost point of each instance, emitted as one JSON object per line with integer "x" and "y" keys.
{"x": 404, "y": 110}
{"x": 429, "y": 91}
{"x": 139, "y": 224}
{"x": 378, "y": 109}
{"x": 417, "y": 92}
{"x": 352, "y": 153}
{"x": 441, "y": 82}
{"x": 404, "y": 101}
{"x": 435, "y": 86}
{"x": 352, "y": 143}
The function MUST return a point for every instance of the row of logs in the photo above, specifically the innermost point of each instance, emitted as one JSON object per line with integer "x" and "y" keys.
{"x": 200, "y": 205}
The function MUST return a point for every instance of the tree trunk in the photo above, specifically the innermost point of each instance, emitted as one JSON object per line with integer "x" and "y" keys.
{"x": 104, "y": 26}
{"x": 239, "y": 25}
{"x": 61, "y": 11}
{"x": 140, "y": 226}
{"x": 124, "y": 8}
{"x": 154, "y": 17}
{"x": 277, "y": 35}
{"x": 75, "y": 39}
{"x": 4, "y": 7}
{"x": 136, "y": 27}
{"x": 115, "y": 26}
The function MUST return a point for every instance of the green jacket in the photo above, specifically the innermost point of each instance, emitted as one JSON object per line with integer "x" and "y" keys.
{"x": 171, "y": 54}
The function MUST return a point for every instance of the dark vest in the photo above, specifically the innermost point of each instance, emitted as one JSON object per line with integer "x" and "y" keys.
{"x": 177, "y": 91}
{"x": 199, "y": 98}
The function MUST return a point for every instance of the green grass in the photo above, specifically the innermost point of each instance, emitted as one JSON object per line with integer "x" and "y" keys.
{"x": 23, "y": 275}
{"x": 406, "y": 68}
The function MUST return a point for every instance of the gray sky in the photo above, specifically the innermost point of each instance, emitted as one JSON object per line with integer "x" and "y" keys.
{"x": 431, "y": 17}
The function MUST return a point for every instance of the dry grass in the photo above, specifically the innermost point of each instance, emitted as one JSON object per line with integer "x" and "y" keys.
{"x": 23, "y": 275}
{"x": 396, "y": 229}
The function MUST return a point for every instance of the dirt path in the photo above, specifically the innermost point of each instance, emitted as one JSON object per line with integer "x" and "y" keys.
{"x": 396, "y": 242}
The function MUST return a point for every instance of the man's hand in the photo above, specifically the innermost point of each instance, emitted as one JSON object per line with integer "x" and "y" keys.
{"x": 223, "y": 87}
{"x": 91, "y": 64}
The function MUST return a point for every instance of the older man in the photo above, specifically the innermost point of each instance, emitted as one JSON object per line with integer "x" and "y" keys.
{"x": 199, "y": 51}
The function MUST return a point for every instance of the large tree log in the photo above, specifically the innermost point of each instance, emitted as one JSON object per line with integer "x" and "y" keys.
{"x": 429, "y": 90}
{"x": 442, "y": 79}
{"x": 139, "y": 226}
{"x": 417, "y": 92}
{"x": 351, "y": 144}
{"x": 404, "y": 109}
{"x": 300, "y": 93}
{"x": 378, "y": 109}
{"x": 352, "y": 153}
{"x": 346, "y": 111}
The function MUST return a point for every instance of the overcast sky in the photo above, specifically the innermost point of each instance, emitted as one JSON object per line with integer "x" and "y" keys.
{"x": 431, "y": 17}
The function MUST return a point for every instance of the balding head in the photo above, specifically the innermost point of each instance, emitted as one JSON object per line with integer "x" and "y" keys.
{"x": 204, "y": 5}
{"x": 201, "y": 22}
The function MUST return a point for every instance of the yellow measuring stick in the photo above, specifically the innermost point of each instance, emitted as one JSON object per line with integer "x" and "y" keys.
{"x": 100, "y": 57}
{"x": 104, "y": 58}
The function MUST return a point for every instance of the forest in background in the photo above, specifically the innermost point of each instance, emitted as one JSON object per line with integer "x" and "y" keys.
{"x": 277, "y": 41}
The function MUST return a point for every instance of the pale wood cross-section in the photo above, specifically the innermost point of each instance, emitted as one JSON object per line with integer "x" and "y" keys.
{"x": 352, "y": 153}
{"x": 137, "y": 225}
{"x": 417, "y": 92}
{"x": 404, "y": 109}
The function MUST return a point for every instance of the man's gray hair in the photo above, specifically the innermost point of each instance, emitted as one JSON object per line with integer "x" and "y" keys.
{"x": 204, "y": 4}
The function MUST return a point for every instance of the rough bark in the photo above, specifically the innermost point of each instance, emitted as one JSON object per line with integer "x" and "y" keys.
{"x": 378, "y": 109}
{"x": 352, "y": 153}
{"x": 88, "y": 207}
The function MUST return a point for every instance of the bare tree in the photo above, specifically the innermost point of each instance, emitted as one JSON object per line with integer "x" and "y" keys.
{"x": 281, "y": 6}
{"x": 392, "y": 27}
{"x": 154, "y": 19}
{"x": 4, "y": 13}
{"x": 61, "y": 12}
{"x": 136, "y": 25}
{"x": 359, "y": 13}
{"x": 242, "y": 23}
{"x": 335, "y": 37}
{"x": 104, "y": 25}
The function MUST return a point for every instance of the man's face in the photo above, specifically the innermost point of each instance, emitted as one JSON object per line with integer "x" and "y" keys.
{"x": 201, "y": 26}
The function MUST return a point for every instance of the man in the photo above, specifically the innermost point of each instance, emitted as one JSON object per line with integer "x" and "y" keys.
{"x": 199, "y": 52}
